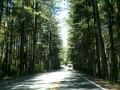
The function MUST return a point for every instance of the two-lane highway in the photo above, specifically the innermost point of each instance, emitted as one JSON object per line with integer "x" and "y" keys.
{"x": 58, "y": 80}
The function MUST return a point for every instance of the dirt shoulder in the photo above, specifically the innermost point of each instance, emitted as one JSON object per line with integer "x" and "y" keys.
{"x": 103, "y": 83}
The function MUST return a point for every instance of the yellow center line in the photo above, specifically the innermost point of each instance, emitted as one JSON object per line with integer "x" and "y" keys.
{"x": 55, "y": 85}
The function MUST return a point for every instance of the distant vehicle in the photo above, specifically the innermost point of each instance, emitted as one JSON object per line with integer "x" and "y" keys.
{"x": 70, "y": 67}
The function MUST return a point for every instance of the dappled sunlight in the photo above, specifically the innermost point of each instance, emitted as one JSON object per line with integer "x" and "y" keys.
{"x": 52, "y": 77}
{"x": 41, "y": 81}
{"x": 62, "y": 79}
{"x": 75, "y": 82}
{"x": 57, "y": 44}
{"x": 48, "y": 79}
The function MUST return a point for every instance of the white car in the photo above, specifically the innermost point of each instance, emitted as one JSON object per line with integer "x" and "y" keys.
{"x": 70, "y": 67}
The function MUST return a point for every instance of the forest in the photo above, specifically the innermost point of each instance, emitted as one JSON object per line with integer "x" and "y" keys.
{"x": 29, "y": 37}
{"x": 94, "y": 37}
{"x": 30, "y": 41}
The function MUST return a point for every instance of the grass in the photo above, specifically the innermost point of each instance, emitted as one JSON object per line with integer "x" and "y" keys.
{"x": 6, "y": 78}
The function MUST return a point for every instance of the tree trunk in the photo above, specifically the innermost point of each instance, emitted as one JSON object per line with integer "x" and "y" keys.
{"x": 98, "y": 57}
{"x": 1, "y": 11}
{"x": 22, "y": 34}
{"x": 100, "y": 41}
{"x": 11, "y": 43}
{"x": 50, "y": 44}
{"x": 34, "y": 40}
{"x": 114, "y": 66}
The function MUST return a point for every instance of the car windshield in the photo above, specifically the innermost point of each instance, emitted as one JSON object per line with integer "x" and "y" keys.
{"x": 69, "y": 66}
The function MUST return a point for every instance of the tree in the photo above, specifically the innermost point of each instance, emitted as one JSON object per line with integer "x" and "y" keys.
{"x": 114, "y": 66}
{"x": 93, "y": 38}
{"x": 24, "y": 32}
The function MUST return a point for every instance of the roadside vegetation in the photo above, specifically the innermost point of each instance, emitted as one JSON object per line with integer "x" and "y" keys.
{"x": 94, "y": 37}
{"x": 29, "y": 37}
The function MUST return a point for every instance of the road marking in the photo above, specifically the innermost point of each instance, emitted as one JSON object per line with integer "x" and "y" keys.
{"x": 55, "y": 85}
{"x": 93, "y": 83}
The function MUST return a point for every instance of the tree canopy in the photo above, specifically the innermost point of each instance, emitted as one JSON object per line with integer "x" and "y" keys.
{"x": 29, "y": 37}
{"x": 94, "y": 37}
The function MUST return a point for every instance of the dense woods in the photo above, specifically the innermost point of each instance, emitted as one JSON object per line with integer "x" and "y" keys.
{"x": 30, "y": 41}
{"x": 94, "y": 37}
{"x": 29, "y": 37}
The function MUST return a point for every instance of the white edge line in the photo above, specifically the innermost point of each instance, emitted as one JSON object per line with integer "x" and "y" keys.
{"x": 93, "y": 83}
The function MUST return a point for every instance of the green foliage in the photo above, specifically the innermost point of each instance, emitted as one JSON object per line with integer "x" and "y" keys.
{"x": 29, "y": 37}
{"x": 84, "y": 45}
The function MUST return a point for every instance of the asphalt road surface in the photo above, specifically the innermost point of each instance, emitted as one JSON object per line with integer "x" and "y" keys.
{"x": 57, "y": 80}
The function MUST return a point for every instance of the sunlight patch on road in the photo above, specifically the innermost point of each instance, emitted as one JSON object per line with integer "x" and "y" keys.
{"x": 46, "y": 81}
{"x": 50, "y": 80}
{"x": 52, "y": 77}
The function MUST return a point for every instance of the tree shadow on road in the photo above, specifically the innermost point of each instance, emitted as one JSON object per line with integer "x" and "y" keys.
{"x": 75, "y": 82}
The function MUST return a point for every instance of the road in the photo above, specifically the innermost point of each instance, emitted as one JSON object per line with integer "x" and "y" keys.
{"x": 57, "y": 80}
